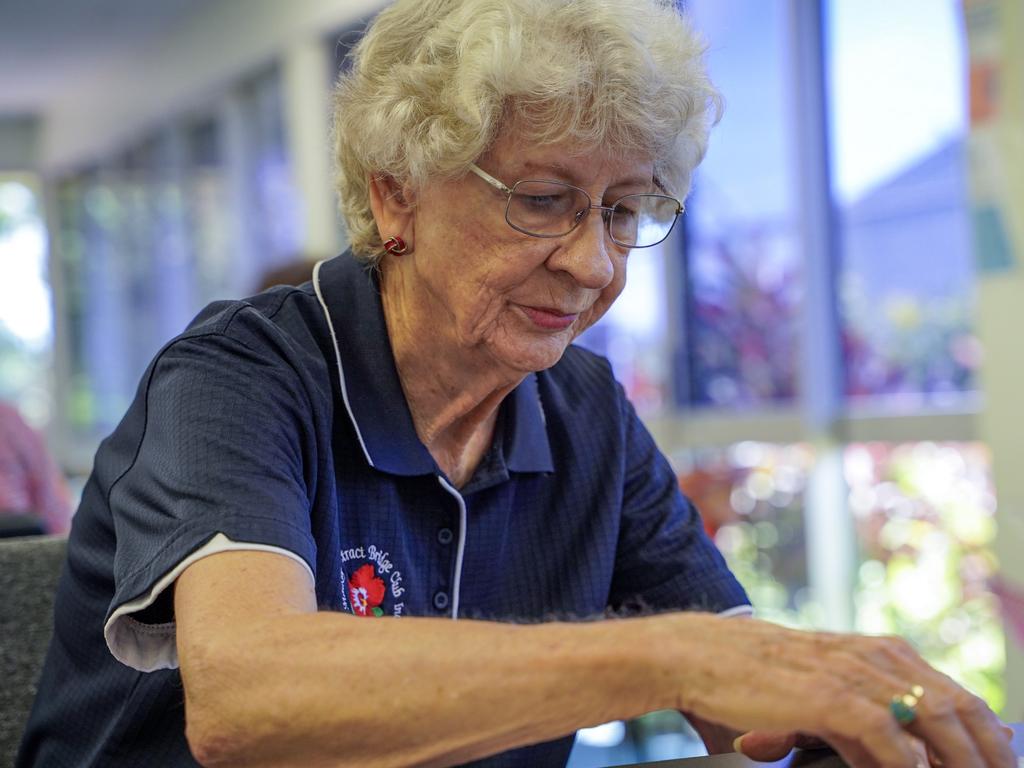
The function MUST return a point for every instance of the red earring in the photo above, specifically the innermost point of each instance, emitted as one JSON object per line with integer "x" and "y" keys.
{"x": 395, "y": 245}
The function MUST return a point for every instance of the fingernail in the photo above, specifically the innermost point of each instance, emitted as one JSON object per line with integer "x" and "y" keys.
{"x": 737, "y": 743}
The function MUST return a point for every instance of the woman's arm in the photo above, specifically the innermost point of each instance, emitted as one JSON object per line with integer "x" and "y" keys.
{"x": 269, "y": 681}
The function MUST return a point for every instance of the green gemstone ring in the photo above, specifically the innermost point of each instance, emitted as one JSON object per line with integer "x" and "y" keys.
{"x": 904, "y": 706}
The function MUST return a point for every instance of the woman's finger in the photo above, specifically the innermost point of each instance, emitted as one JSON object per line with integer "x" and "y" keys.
{"x": 866, "y": 735}
{"x": 806, "y": 741}
{"x": 941, "y": 729}
{"x": 876, "y": 683}
{"x": 765, "y": 746}
{"x": 989, "y": 733}
{"x": 958, "y": 727}
{"x": 768, "y": 746}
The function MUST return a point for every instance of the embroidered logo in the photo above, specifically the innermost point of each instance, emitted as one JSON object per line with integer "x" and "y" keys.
{"x": 372, "y": 583}
{"x": 366, "y": 592}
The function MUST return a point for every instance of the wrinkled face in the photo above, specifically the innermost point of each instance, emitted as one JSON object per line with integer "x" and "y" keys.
{"x": 516, "y": 299}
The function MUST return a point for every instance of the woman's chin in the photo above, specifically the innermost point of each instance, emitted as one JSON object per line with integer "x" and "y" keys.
{"x": 535, "y": 355}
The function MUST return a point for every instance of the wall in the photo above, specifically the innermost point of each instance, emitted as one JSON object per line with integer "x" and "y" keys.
{"x": 997, "y": 185}
{"x": 19, "y": 143}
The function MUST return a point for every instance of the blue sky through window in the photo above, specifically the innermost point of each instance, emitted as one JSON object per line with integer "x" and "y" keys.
{"x": 897, "y": 87}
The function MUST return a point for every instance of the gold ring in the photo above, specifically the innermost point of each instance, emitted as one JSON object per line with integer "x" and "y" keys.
{"x": 904, "y": 706}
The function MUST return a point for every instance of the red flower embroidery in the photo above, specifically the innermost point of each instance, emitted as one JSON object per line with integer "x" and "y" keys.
{"x": 366, "y": 591}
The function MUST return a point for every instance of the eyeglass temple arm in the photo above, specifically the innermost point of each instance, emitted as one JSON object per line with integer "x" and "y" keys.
{"x": 489, "y": 179}
{"x": 501, "y": 187}
{"x": 665, "y": 190}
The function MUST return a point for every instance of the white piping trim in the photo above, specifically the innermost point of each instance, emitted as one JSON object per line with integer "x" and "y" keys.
{"x": 337, "y": 356}
{"x": 739, "y": 610}
{"x": 149, "y": 647}
{"x": 461, "y": 550}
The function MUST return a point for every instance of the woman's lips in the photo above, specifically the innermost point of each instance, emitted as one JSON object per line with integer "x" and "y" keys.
{"x": 549, "y": 319}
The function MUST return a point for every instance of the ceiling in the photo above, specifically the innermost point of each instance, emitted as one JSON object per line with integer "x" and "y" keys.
{"x": 47, "y": 46}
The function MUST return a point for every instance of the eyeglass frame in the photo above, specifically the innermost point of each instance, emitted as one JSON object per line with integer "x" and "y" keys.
{"x": 606, "y": 211}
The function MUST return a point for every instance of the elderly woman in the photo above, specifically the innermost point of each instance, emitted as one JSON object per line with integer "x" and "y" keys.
{"x": 411, "y": 435}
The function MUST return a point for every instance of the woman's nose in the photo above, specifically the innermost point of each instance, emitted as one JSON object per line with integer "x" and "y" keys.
{"x": 585, "y": 253}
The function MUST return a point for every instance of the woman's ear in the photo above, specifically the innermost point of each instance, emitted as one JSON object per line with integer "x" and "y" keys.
{"x": 392, "y": 209}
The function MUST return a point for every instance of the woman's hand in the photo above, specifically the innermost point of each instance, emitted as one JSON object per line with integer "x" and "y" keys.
{"x": 779, "y": 682}
{"x": 768, "y": 746}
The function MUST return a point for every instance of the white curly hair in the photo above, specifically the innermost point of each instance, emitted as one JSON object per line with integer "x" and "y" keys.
{"x": 432, "y": 83}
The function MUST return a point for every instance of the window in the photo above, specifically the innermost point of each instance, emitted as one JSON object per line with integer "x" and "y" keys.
{"x": 752, "y": 498}
{"x": 207, "y": 196}
{"x": 923, "y": 508}
{"x": 743, "y": 270}
{"x": 898, "y": 111}
{"x": 807, "y": 484}
{"x": 196, "y": 211}
{"x": 633, "y": 335}
{"x": 26, "y": 330}
{"x": 825, "y": 355}
{"x": 272, "y": 198}
{"x": 925, "y": 522}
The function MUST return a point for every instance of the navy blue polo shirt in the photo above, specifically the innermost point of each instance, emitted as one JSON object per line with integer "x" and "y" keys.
{"x": 280, "y": 421}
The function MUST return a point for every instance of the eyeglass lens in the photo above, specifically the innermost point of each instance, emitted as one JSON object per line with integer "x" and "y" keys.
{"x": 552, "y": 209}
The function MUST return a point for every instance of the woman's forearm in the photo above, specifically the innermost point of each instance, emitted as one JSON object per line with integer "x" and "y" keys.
{"x": 331, "y": 689}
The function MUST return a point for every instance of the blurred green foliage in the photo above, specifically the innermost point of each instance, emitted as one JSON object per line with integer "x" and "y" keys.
{"x": 924, "y": 515}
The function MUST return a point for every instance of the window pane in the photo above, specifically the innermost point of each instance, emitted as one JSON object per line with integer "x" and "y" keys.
{"x": 208, "y": 206}
{"x": 148, "y": 237}
{"x": 898, "y": 114}
{"x": 272, "y": 194}
{"x": 925, "y": 522}
{"x": 110, "y": 202}
{"x": 26, "y": 330}
{"x": 743, "y": 260}
{"x": 633, "y": 334}
{"x": 70, "y": 259}
{"x": 751, "y": 497}
{"x": 129, "y": 269}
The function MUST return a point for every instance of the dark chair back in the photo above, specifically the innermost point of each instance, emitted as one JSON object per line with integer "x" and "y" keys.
{"x": 29, "y": 568}
{"x": 20, "y": 524}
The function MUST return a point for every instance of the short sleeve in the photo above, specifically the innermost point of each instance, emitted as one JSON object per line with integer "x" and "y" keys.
{"x": 225, "y": 444}
{"x": 665, "y": 560}
{"x": 147, "y": 646}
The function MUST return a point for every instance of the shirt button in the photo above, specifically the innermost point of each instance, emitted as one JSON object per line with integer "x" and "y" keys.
{"x": 440, "y": 600}
{"x": 445, "y": 536}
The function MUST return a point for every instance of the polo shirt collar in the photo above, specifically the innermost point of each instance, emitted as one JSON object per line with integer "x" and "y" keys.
{"x": 372, "y": 392}
{"x": 528, "y": 449}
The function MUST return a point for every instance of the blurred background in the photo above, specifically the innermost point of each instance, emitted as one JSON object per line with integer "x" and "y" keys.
{"x": 829, "y": 349}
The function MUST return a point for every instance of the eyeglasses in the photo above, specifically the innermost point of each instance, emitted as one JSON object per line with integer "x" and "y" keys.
{"x": 544, "y": 208}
